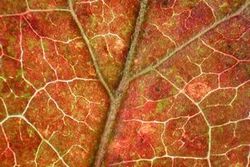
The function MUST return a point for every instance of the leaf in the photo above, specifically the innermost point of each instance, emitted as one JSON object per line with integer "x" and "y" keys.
{"x": 124, "y": 83}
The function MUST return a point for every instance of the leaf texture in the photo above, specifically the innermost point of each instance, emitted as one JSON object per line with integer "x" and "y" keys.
{"x": 126, "y": 83}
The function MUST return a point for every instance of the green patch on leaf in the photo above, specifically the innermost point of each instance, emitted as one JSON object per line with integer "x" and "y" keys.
{"x": 190, "y": 3}
{"x": 160, "y": 107}
{"x": 224, "y": 7}
{"x": 19, "y": 73}
{"x": 45, "y": 46}
{"x": 32, "y": 43}
{"x": 31, "y": 132}
{"x": 26, "y": 95}
{"x": 93, "y": 21}
{"x": 126, "y": 29}
{"x": 10, "y": 51}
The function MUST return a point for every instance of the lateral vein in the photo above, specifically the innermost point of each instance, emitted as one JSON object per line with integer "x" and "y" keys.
{"x": 179, "y": 48}
{"x": 91, "y": 51}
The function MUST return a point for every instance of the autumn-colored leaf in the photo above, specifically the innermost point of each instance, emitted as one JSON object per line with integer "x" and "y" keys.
{"x": 126, "y": 83}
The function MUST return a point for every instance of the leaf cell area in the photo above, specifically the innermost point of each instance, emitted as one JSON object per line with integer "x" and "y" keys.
{"x": 124, "y": 83}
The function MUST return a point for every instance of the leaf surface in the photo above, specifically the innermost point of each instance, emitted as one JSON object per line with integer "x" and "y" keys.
{"x": 125, "y": 83}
